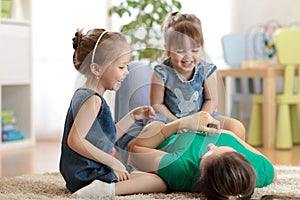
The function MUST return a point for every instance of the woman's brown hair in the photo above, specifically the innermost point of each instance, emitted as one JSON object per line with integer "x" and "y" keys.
{"x": 229, "y": 175}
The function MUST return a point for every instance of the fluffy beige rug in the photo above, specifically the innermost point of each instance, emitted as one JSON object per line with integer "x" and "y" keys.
{"x": 52, "y": 186}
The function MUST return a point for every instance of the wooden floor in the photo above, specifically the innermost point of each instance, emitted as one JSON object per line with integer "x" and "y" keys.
{"x": 44, "y": 157}
{"x": 40, "y": 158}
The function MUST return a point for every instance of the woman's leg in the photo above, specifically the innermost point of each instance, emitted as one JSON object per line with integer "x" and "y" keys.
{"x": 140, "y": 182}
{"x": 232, "y": 125}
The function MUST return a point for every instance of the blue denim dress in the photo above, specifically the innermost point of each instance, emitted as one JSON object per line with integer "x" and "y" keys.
{"x": 181, "y": 97}
{"x": 79, "y": 171}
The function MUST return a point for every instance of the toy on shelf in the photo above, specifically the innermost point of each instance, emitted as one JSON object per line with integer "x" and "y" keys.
{"x": 263, "y": 44}
{"x": 10, "y": 130}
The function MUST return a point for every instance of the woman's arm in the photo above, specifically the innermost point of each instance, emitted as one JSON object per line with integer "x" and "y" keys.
{"x": 143, "y": 153}
{"x": 156, "y": 132}
{"x": 77, "y": 142}
{"x": 157, "y": 91}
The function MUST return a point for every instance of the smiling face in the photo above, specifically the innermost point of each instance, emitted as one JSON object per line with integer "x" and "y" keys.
{"x": 184, "y": 45}
{"x": 185, "y": 57}
{"x": 109, "y": 68}
{"x": 115, "y": 73}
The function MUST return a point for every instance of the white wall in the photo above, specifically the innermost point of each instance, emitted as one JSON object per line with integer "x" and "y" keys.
{"x": 54, "y": 25}
{"x": 215, "y": 19}
{"x": 247, "y": 13}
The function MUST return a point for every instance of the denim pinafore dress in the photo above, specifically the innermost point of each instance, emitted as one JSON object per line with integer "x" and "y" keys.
{"x": 79, "y": 171}
{"x": 181, "y": 97}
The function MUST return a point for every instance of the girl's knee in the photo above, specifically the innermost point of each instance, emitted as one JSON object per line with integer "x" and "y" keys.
{"x": 235, "y": 126}
{"x": 239, "y": 129}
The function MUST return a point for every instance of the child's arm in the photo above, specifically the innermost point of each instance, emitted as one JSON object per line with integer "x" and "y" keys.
{"x": 210, "y": 95}
{"x": 138, "y": 113}
{"x": 77, "y": 142}
{"x": 157, "y": 90}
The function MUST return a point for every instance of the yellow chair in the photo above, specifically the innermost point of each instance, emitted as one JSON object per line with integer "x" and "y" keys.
{"x": 287, "y": 41}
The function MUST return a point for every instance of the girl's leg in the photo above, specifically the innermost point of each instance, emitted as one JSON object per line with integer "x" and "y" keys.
{"x": 232, "y": 125}
{"x": 140, "y": 182}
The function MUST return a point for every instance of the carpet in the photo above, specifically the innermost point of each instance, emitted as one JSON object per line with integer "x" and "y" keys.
{"x": 52, "y": 186}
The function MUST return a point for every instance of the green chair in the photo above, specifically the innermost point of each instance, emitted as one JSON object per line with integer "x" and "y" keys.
{"x": 287, "y": 41}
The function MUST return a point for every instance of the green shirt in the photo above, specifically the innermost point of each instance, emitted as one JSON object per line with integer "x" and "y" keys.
{"x": 179, "y": 167}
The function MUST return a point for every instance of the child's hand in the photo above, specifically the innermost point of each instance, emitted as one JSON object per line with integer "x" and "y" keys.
{"x": 120, "y": 171}
{"x": 142, "y": 112}
{"x": 122, "y": 175}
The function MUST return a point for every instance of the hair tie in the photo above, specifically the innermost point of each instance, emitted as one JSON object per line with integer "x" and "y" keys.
{"x": 176, "y": 13}
{"x": 94, "y": 50}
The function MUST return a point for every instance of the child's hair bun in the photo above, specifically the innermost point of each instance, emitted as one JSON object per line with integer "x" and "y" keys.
{"x": 77, "y": 39}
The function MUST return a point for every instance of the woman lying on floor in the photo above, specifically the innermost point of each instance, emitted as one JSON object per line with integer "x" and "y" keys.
{"x": 219, "y": 165}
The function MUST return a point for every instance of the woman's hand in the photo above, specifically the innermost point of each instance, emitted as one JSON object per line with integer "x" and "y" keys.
{"x": 184, "y": 130}
{"x": 200, "y": 121}
{"x": 142, "y": 112}
{"x": 120, "y": 171}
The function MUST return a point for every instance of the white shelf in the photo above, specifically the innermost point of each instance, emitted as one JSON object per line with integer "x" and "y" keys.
{"x": 7, "y": 146}
{"x": 16, "y": 75}
{"x": 15, "y": 22}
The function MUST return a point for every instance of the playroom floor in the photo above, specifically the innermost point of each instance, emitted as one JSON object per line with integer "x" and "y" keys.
{"x": 44, "y": 157}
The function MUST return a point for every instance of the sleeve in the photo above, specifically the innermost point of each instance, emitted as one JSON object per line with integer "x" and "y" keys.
{"x": 209, "y": 69}
{"x": 177, "y": 174}
{"x": 161, "y": 73}
{"x": 264, "y": 169}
